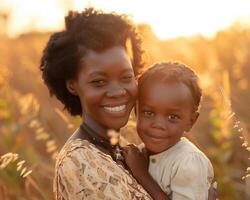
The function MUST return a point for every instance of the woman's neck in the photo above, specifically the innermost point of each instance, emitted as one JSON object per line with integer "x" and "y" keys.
{"x": 98, "y": 128}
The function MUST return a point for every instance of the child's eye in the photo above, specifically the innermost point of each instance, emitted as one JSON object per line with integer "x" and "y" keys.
{"x": 173, "y": 117}
{"x": 127, "y": 77}
{"x": 148, "y": 113}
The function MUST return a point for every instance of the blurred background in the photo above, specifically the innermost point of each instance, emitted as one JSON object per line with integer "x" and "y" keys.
{"x": 213, "y": 37}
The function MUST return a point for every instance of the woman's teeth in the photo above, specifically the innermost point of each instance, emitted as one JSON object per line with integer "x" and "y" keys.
{"x": 116, "y": 108}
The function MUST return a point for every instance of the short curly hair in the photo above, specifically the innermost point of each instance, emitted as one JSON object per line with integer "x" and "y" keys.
{"x": 174, "y": 71}
{"x": 88, "y": 30}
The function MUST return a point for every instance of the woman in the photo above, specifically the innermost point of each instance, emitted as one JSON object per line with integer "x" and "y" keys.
{"x": 88, "y": 68}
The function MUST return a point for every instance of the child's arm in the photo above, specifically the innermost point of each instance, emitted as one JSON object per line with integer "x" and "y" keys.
{"x": 138, "y": 164}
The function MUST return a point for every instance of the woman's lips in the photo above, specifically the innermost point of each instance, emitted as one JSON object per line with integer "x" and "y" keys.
{"x": 115, "y": 109}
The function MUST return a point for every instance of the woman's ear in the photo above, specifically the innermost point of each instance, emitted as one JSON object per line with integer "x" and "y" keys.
{"x": 135, "y": 108}
{"x": 71, "y": 86}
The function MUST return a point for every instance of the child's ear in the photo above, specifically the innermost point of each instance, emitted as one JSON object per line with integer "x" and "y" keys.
{"x": 70, "y": 84}
{"x": 193, "y": 119}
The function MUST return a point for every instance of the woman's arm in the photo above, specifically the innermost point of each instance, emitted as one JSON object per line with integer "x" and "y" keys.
{"x": 138, "y": 164}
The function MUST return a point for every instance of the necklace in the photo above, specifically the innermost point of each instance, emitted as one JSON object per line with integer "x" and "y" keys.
{"x": 114, "y": 150}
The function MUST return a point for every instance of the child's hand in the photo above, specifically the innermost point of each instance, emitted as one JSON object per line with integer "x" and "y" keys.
{"x": 136, "y": 160}
{"x": 212, "y": 192}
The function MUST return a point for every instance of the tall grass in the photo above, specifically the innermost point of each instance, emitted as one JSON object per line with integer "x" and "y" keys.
{"x": 33, "y": 126}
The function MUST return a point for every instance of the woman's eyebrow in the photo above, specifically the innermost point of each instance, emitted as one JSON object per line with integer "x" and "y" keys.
{"x": 102, "y": 73}
{"x": 97, "y": 73}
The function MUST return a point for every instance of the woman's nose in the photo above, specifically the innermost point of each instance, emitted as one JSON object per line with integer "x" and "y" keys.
{"x": 116, "y": 91}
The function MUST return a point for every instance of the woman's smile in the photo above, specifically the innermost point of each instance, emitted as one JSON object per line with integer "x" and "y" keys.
{"x": 115, "y": 109}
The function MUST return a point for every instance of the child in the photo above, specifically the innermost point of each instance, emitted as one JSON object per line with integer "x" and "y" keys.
{"x": 168, "y": 104}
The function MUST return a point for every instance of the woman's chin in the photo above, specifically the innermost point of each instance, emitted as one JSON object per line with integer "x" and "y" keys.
{"x": 117, "y": 125}
{"x": 114, "y": 122}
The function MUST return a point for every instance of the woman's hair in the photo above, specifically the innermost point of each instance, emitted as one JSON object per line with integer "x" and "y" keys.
{"x": 88, "y": 30}
{"x": 174, "y": 72}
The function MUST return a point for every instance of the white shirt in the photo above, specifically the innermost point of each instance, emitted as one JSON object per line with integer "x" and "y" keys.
{"x": 182, "y": 171}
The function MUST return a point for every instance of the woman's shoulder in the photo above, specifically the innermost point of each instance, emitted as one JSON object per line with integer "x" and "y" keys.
{"x": 73, "y": 149}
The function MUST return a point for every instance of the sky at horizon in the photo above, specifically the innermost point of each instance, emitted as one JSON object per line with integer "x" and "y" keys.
{"x": 167, "y": 18}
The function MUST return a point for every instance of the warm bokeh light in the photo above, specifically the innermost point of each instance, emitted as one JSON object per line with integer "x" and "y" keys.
{"x": 34, "y": 126}
{"x": 167, "y": 18}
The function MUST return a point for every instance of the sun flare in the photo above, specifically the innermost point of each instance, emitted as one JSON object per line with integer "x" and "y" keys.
{"x": 167, "y": 18}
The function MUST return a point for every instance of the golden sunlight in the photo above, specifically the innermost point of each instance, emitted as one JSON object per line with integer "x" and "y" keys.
{"x": 168, "y": 18}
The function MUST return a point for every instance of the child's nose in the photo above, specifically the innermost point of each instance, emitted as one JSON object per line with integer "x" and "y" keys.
{"x": 159, "y": 123}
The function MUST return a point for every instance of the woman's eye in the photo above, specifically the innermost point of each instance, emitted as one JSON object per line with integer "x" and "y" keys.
{"x": 98, "y": 82}
{"x": 148, "y": 113}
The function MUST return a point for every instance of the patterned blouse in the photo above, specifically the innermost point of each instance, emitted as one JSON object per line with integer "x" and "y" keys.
{"x": 84, "y": 172}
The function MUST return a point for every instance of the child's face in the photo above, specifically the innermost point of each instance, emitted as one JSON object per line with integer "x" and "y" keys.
{"x": 165, "y": 112}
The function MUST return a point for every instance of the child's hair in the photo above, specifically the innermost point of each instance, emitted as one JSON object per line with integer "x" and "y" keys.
{"x": 174, "y": 71}
{"x": 89, "y": 30}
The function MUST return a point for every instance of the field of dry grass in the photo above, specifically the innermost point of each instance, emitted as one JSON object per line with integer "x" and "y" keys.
{"x": 33, "y": 126}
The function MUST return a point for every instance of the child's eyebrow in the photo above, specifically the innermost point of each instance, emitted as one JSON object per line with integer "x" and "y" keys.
{"x": 127, "y": 70}
{"x": 146, "y": 105}
{"x": 179, "y": 110}
{"x": 174, "y": 109}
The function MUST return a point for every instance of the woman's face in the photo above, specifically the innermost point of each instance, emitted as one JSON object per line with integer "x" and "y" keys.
{"x": 106, "y": 87}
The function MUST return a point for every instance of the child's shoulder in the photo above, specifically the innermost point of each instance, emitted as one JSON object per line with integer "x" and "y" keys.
{"x": 182, "y": 149}
{"x": 187, "y": 150}
{"x": 191, "y": 159}
{"x": 191, "y": 163}
{"x": 182, "y": 152}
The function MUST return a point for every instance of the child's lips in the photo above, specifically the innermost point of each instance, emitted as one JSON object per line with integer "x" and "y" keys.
{"x": 157, "y": 137}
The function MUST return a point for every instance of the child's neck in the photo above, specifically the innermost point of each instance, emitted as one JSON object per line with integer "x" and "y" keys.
{"x": 150, "y": 153}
